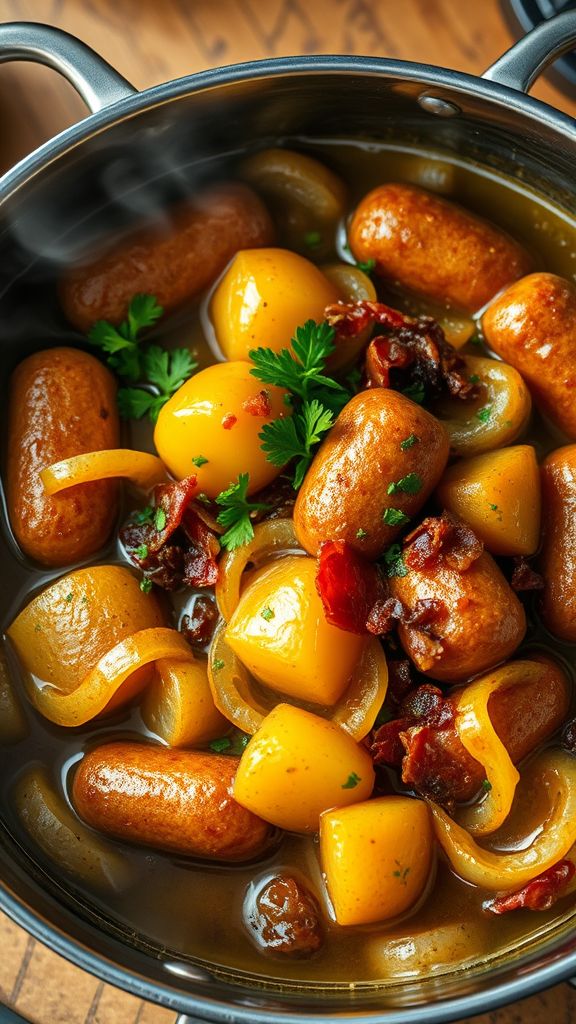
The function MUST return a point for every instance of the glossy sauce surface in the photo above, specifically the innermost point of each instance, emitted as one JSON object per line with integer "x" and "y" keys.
{"x": 194, "y": 910}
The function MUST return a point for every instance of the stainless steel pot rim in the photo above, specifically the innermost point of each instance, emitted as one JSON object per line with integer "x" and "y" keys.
{"x": 426, "y": 75}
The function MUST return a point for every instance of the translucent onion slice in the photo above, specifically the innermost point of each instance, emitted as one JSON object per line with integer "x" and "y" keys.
{"x": 477, "y": 734}
{"x": 501, "y": 872}
{"x": 104, "y": 686}
{"x": 269, "y": 538}
{"x": 246, "y": 704}
{"x": 140, "y": 468}
{"x": 64, "y": 839}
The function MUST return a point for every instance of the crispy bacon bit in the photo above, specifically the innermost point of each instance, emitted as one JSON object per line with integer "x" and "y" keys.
{"x": 229, "y": 421}
{"x": 348, "y": 586}
{"x": 432, "y": 768}
{"x": 258, "y": 405}
{"x": 428, "y": 703}
{"x": 524, "y": 577}
{"x": 400, "y": 680}
{"x": 198, "y": 627}
{"x": 174, "y": 547}
{"x": 539, "y": 894}
{"x": 427, "y": 613}
{"x": 384, "y": 615}
{"x": 417, "y": 343}
{"x": 442, "y": 540}
{"x": 386, "y": 746}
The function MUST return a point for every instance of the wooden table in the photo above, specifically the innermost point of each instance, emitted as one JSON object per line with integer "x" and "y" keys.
{"x": 151, "y": 41}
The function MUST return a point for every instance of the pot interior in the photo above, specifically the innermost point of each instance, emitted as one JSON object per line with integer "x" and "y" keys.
{"x": 499, "y": 161}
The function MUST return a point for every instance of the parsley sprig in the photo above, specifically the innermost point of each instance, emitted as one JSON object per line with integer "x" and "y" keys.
{"x": 160, "y": 372}
{"x": 315, "y": 397}
{"x": 236, "y": 513}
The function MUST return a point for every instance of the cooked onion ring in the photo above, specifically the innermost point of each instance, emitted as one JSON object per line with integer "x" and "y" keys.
{"x": 235, "y": 694}
{"x": 501, "y": 872}
{"x": 140, "y": 468}
{"x": 269, "y": 538}
{"x": 102, "y": 687}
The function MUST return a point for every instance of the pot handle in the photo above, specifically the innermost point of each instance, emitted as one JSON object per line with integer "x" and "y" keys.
{"x": 524, "y": 62}
{"x": 97, "y": 82}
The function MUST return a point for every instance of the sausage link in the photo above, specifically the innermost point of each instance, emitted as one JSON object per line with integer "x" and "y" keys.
{"x": 62, "y": 403}
{"x": 172, "y": 263}
{"x": 484, "y": 621}
{"x": 532, "y": 326}
{"x": 523, "y": 716}
{"x": 558, "y": 557}
{"x": 176, "y": 800}
{"x": 346, "y": 490}
{"x": 434, "y": 247}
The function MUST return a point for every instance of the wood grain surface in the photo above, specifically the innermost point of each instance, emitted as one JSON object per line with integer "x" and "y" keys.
{"x": 150, "y": 41}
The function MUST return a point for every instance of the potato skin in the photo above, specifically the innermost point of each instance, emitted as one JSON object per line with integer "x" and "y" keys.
{"x": 532, "y": 326}
{"x": 558, "y": 557}
{"x": 172, "y": 263}
{"x": 484, "y": 625}
{"x": 62, "y": 403}
{"x": 434, "y": 247}
{"x": 176, "y": 800}
{"x": 345, "y": 489}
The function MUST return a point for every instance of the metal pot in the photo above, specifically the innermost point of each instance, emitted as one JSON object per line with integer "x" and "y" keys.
{"x": 131, "y": 153}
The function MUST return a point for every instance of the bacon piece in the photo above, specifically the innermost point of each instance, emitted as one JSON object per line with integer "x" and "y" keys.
{"x": 386, "y": 747}
{"x": 198, "y": 627}
{"x": 437, "y": 765}
{"x": 524, "y": 577}
{"x": 259, "y": 404}
{"x": 415, "y": 342}
{"x": 539, "y": 894}
{"x": 200, "y": 565}
{"x": 442, "y": 540}
{"x": 384, "y": 615}
{"x": 229, "y": 420}
{"x": 348, "y": 585}
{"x": 173, "y": 498}
{"x": 428, "y": 703}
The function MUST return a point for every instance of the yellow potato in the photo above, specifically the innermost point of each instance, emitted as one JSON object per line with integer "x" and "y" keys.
{"x": 496, "y": 418}
{"x": 376, "y": 857}
{"x": 13, "y": 726}
{"x": 215, "y": 416}
{"x": 306, "y": 198}
{"x": 263, "y": 297}
{"x": 498, "y": 494}
{"x": 280, "y": 633}
{"x": 298, "y": 765}
{"x": 178, "y": 704}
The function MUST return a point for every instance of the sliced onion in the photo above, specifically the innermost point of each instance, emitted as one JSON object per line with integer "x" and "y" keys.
{"x": 269, "y": 538}
{"x": 103, "y": 687}
{"x": 140, "y": 468}
{"x": 500, "y": 872}
{"x": 477, "y": 734}
{"x": 246, "y": 704}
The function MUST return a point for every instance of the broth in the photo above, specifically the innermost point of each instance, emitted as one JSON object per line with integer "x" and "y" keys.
{"x": 192, "y": 910}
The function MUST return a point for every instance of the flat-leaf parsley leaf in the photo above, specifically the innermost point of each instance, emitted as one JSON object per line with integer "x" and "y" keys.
{"x": 295, "y": 436}
{"x": 409, "y": 484}
{"x": 235, "y": 514}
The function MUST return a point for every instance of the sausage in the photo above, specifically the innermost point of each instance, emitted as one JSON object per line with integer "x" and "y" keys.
{"x": 62, "y": 403}
{"x": 434, "y": 247}
{"x": 481, "y": 623}
{"x": 558, "y": 556}
{"x": 283, "y": 917}
{"x": 345, "y": 492}
{"x": 523, "y": 715}
{"x": 173, "y": 263}
{"x": 176, "y": 800}
{"x": 532, "y": 325}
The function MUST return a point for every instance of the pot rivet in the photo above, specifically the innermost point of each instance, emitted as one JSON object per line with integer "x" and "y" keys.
{"x": 439, "y": 107}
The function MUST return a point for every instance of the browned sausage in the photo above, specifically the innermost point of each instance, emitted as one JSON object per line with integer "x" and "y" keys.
{"x": 524, "y": 716}
{"x": 62, "y": 403}
{"x": 173, "y": 263}
{"x": 477, "y": 620}
{"x": 434, "y": 247}
{"x": 380, "y": 439}
{"x": 283, "y": 917}
{"x": 178, "y": 800}
{"x": 558, "y": 558}
{"x": 532, "y": 325}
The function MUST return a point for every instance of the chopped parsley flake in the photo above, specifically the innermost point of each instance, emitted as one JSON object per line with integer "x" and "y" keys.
{"x": 474, "y": 378}
{"x": 394, "y": 517}
{"x": 199, "y": 460}
{"x": 410, "y": 484}
{"x": 361, "y": 534}
{"x": 366, "y": 266}
{"x": 236, "y": 513}
{"x": 484, "y": 414}
{"x": 416, "y": 392}
{"x": 486, "y": 786}
{"x": 141, "y": 551}
{"x": 493, "y": 507}
{"x": 409, "y": 442}
{"x": 312, "y": 239}
{"x": 69, "y": 597}
{"x": 394, "y": 563}
{"x": 159, "y": 519}
{"x": 217, "y": 664}
{"x": 145, "y": 585}
{"x": 220, "y": 745}
{"x": 267, "y": 614}
{"x": 145, "y": 515}
{"x": 352, "y": 781}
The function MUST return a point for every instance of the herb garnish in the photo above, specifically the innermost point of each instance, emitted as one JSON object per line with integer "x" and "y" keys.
{"x": 394, "y": 563}
{"x": 267, "y": 614}
{"x": 409, "y": 442}
{"x": 159, "y": 519}
{"x": 199, "y": 460}
{"x": 486, "y": 786}
{"x": 416, "y": 392}
{"x": 361, "y": 534}
{"x": 484, "y": 414}
{"x": 145, "y": 585}
{"x": 217, "y": 664}
{"x": 394, "y": 517}
{"x": 409, "y": 484}
{"x": 294, "y": 437}
{"x": 220, "y": 745}
{"x": 235, "y": 514}
{"x": 352, "y": 781}
{"x": 366, "y": 266}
